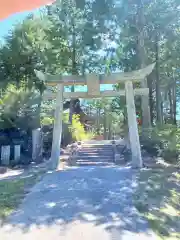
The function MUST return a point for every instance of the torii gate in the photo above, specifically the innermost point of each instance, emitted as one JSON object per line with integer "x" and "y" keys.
{"x": 93, "y": 82}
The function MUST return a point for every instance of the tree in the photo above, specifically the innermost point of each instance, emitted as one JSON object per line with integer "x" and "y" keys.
{"x": 31, "y": 46}
{"x": 85, "y": 24}
{"x": 161, "y": 44}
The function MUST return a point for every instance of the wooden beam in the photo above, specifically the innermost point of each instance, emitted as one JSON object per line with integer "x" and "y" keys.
{"x": 93, "y": 85}
{"x": 57, "y": 130}
{"x": 133, "y": 128}
{"x": 107, "y": 93}
{"x": 135, "y": 76}
{"x": 113, "y": 78}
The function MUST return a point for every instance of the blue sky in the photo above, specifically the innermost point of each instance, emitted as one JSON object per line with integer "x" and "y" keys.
{"x": 7, "y": 24}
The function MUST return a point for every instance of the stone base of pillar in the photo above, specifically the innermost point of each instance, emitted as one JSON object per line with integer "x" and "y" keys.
{"x": 37, "y": 145}
{"x": 5, "y": 155}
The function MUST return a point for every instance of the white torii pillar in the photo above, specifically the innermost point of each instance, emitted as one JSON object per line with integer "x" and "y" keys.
{"x": 57, "y": 130}
{"x": 133, "y": 127}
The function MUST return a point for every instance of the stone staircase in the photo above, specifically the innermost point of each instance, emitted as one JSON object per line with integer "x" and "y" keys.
{"x": 103, "y": 153}
{"x": 95, "y": 153}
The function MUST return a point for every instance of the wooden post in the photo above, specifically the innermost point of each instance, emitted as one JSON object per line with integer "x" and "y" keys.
{"x": 146, "y": 116}
{"x": 104, "y": 124}
{"x": 36, "y": 145}
{"x": 17, "y": 152}
{"x": 57, "y": 130}
{"x": 5, "y": 155}
{"x": 132, "y": 125}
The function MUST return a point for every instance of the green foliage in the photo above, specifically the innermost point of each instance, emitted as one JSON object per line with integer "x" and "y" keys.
{"x": 46, "y": 121}
{"x": 66, "y": 118}
{"x": 157, "y": 198}
{"x": 164, "y": 140}
{"x": 178, "y": 139}
{"x": 13, "y": 192}
{"x": 77, "y": 130}
{"x": 19, "y": 107}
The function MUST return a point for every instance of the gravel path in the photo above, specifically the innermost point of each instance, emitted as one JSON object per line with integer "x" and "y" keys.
{"x": 86, "y": 203}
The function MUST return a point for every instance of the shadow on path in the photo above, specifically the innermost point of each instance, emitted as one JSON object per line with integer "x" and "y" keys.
{"x": 100, "y": 196}
{"x": 158, "y": 199}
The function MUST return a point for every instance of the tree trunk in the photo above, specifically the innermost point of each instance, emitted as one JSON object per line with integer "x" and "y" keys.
{"x": 158, "y": 92}
{"x": 174, "y": 102}
{"x": 71, "y": 110}
{"x": 146, "y": 120}
{"x": 105, "y": 124}
{"x": 170, "y": 104}
{"x": 151, "y": 100}
{"x": 74, "y": 68}
{"x": 109, "y": 127}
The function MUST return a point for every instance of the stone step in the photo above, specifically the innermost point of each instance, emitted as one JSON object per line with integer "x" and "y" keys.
{"x": 96, "y": 147}
{"x": 95, "y": 153}
{"x": 94, "y": 157}
{"x": 95, "y": 160}
{"x": 83, "y": 164}
{"x": 96, "y": 150}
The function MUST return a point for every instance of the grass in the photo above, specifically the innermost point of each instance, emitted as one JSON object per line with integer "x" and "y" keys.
{"x": 158, "y": 200}
{"x": 12, "y": 193}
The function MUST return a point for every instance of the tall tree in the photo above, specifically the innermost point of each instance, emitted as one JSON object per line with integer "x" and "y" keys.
{"x": 161, "y": 18}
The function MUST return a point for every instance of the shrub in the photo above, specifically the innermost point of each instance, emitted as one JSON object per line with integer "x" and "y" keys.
{"x": 165, "y": 141}
{"x": 46, "y": 121}
{"x": 78, "y": 131}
